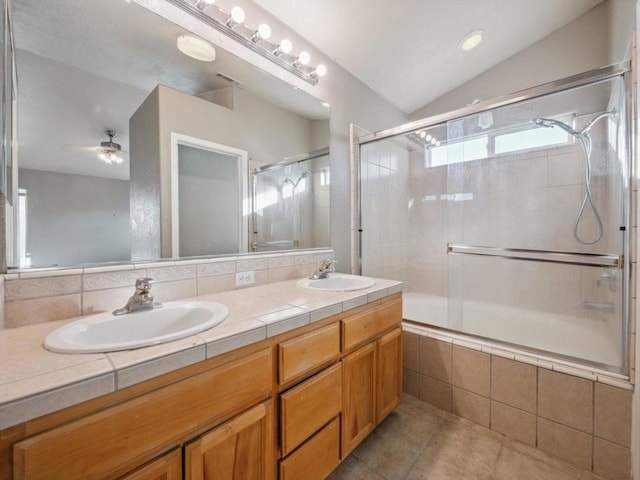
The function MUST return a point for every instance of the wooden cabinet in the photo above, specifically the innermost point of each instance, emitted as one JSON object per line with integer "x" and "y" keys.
{"x": 240, "y": 449}
{"x": 388, "y": 373}
{"x": 167, "y": 467}
{"x": 317, "y": 458}
{"x": 372, "y": 387}
{"x": 114, "y": 441}
{"x": 359, "y": 390}
{"x": 307, "y": 407}
{"x": 234, "y": 416}
{"x": 306, "y": 353}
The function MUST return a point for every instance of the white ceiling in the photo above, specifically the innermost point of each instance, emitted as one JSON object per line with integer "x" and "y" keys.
{"x": 406, "y": 50}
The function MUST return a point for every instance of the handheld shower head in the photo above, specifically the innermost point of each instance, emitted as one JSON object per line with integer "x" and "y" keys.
{"x": 550, "y": 123}
{"x": 588, "y": 126}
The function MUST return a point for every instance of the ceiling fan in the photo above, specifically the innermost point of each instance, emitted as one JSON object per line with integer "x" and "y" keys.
{"x": 109, "y": 151}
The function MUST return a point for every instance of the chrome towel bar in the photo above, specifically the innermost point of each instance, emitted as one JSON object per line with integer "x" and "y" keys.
{"x": 587, "y": 259}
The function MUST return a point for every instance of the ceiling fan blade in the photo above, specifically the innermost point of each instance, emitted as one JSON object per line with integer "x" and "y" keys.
{"x": 80, "y": 148}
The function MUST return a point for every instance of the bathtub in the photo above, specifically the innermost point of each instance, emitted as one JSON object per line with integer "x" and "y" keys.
{"x": 569, "y": 337}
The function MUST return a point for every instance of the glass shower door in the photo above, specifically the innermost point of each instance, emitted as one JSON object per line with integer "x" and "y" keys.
{"x": 537, "y": 223}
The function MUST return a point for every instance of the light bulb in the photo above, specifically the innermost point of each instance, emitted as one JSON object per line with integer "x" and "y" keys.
{"x": 304, "y": 58}
{"x": 433, "y": 141}
{"x": 264, "y": 31}
{"x": 422, "y": 134}
{"x": 321, "y": 70}
{"x": 236, "y": 18}
{"x": 437, "y": 143}
{"x": 285, "y": 47}
{"x": 428, "y": 138}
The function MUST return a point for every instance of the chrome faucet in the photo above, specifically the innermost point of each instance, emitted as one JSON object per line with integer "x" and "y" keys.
{"x": 328, "y": 266}
{"x": 142, "y": 299}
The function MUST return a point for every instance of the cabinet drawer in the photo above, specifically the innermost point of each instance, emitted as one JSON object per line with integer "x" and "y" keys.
{"x": 317, "y": 458}
{"x": 306, "y": 353}
{"x": 116, "y": 440}
{"x": 365, "y": 326}
{"x": 308, "y": 406}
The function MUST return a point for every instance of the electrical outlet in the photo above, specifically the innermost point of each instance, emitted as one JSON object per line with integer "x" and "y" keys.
{"x": 245, "y": 278}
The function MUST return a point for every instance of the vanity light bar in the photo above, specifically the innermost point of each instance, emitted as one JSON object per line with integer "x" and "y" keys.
{"x": 253, "y": 40}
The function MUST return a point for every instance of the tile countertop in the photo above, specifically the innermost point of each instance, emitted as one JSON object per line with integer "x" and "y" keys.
{"x": 35, "y": 381}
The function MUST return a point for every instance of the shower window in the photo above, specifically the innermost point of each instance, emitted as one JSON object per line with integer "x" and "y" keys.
{"x": 520, "y": 138}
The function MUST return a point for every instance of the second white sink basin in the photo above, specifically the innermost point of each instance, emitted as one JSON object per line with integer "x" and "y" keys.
{"x": 338, "y": 282}
{"x": 105, "y": 332}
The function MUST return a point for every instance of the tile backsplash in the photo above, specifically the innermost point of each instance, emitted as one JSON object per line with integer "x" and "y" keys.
{"x": 46, "y": 295}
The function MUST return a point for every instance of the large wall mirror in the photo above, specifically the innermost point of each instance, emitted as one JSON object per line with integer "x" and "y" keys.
{"x": 95, "y": 74}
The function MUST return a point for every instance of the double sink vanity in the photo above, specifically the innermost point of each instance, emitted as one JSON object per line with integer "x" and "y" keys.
{"x": 292, "y": 377}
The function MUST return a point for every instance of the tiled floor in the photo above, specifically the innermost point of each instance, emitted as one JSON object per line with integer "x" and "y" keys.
{"x": 421, "y": 442}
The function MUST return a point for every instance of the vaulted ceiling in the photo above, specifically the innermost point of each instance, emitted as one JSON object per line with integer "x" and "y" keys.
{"x": 397, "y": 47}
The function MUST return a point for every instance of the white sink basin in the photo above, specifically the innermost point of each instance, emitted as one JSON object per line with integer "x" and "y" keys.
{"x": 338, "y": 282}
{"x": 105, "y": 332}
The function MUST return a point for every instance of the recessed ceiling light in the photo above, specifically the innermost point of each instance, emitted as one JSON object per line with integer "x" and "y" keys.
{"x": 471, "y": 40}
{"x": 197, "y": 48}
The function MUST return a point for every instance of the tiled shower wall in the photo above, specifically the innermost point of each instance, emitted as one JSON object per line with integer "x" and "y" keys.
{"x": 384, "y": 175}
{"x": 582, "y": 421}
{"x": 40, "y": 296}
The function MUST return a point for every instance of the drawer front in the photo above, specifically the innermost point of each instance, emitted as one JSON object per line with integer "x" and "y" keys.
{"x": 317, "y": 458}
{"x": 304, "y": 354}
{"x": 118, "y": 439}
{"x": 308, "y": 406}
{"x": 363, "y": 327}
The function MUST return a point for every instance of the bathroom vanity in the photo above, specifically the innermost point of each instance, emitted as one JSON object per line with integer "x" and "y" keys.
{"x": 290, "y": 406}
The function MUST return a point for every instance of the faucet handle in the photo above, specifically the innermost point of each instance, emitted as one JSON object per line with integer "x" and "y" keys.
{"x": 328, "y": 263}
{"x": 144, "y": 283}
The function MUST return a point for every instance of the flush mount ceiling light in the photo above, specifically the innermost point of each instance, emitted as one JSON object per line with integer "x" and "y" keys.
{"x": 197, "y": 48}
{"x": 471, "y": 40}
{"x": 233, "y": 25}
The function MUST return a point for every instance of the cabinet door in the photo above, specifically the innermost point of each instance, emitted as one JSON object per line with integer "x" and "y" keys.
{"x": 241, "y": 449}
{"x": 358, "y": 385}
{"x": 389, "y": 374}
{"x": 167, "y": 467}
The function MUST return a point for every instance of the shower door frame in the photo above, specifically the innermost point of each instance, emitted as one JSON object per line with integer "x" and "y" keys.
{"x": 253, "y": 173}
{"x": 622, "y": 69}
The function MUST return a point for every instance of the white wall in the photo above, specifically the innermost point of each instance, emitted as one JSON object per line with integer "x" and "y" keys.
{"x": 75, "y": 219}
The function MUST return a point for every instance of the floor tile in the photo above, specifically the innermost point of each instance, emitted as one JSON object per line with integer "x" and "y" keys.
{"x": 421, "y": 442}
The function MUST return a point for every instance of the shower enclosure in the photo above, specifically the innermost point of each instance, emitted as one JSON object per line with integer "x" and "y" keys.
{"x": 291, "y": 203}
{"x": 509, "y": 220}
